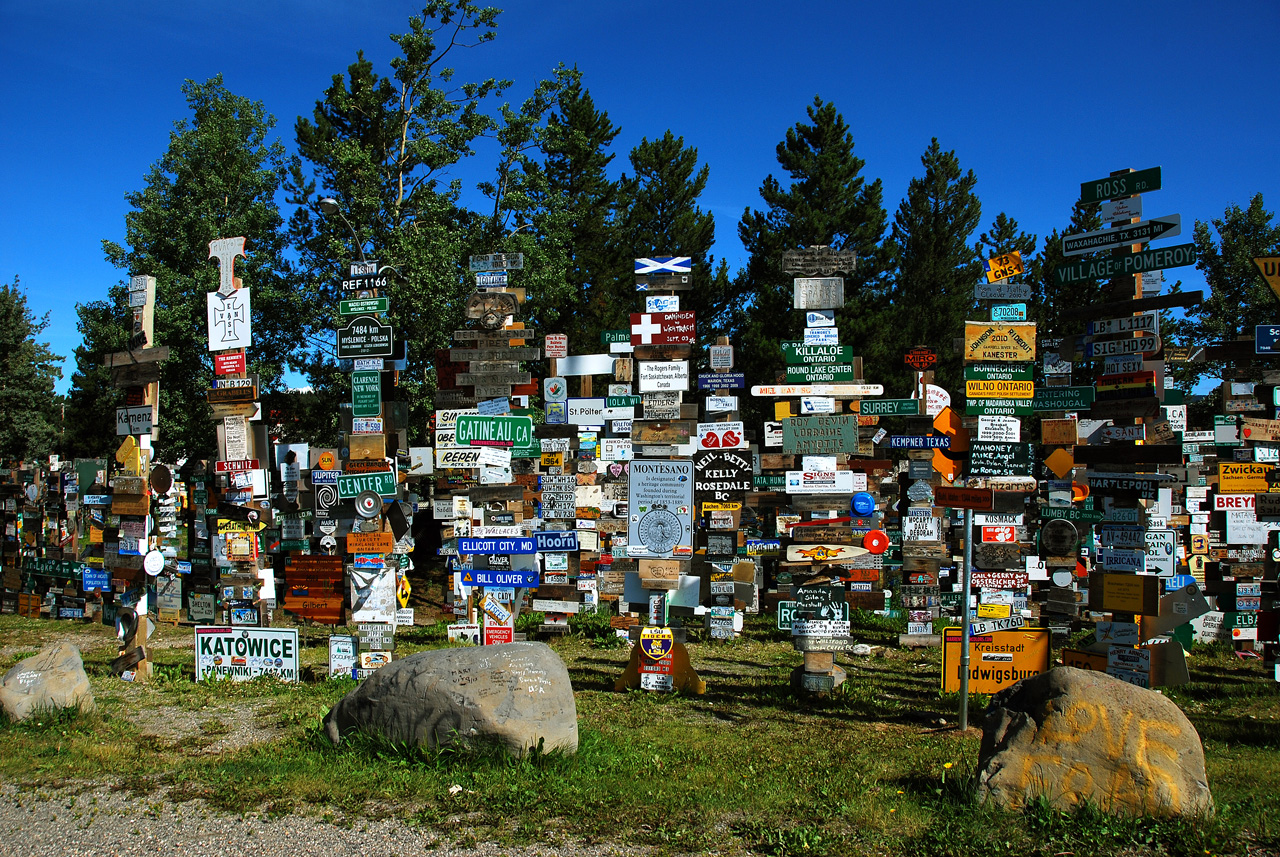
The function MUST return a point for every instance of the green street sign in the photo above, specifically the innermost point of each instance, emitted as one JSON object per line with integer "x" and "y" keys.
{"x": 350, "y": 485}
{"x": 998, "y": 372}
{"x": 889, "y": 407}
{"x": 810, "y": 354}
{"x": 1178, "y": 256}
{"x": 997, "y": 407}
{"x": 1125, "y": 184}
{"x": 475, "y": 430}
{"x": 622, "y": 401}
{"x": 1062, "y": 398}
{"x": 822, "y": 373}
{"x": 1088, "y": 516}
{"x": 769, "y": 480}
{"x": 363, "y": 306}
{"x": 611, "y": 337}
{"x": 366, "y": 394}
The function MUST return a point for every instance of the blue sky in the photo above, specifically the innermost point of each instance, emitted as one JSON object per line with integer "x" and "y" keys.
{"x": 1034, "y": 97}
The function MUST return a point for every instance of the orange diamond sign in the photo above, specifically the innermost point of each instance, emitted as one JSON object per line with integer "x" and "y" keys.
{"x": 1060, "y": 462}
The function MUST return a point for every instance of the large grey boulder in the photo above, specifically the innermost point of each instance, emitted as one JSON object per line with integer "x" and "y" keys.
{"x": 52, "y": 679}
{"x": 1072, "y": 735}
{"x": 516, "y": 694}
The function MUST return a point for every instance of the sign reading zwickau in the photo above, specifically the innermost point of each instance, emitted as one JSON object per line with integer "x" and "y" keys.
{"x": 241, "y": 654}
{"x": 999, "y": 342}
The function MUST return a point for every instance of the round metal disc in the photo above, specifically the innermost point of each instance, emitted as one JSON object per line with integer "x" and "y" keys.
{"x": 368, "y": 504}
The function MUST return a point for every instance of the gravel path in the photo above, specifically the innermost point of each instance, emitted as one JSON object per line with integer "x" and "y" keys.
{"x": 103, "y": 823}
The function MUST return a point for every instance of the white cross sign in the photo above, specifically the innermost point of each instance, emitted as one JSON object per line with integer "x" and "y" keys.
{"x": 646, "y": 329}
{"x": 664, "y": 265}
{"x": 230, "y": 321}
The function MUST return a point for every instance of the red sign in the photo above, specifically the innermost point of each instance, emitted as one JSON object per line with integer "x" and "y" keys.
{"x": 229, "y": 363}
{"x": 663, "y": 328}
{"x": 243, "y": 465}
{"x": 921, "y": 359}
{"x": 980, "y": 499}
{"x": 497, "y": 634}
{"x": 999, "y": 579}
{"x": 999, "y": 534}
{"x": 556, "y": 345}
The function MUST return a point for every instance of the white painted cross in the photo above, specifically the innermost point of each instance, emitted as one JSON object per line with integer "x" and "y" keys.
{"x": 646, "y": 329}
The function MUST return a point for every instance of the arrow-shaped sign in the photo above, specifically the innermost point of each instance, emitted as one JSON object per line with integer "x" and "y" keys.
{"x": 1135, "y": 233}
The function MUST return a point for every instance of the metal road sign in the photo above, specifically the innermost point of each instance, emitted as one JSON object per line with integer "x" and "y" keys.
{"x": 364, "y": 337}
{"x": 1123, "y": 184}
{"x": 1002, "y": 267}
{"x": 363, "y": 306}
{"x": 1107, "y": 267}
{"x": 665, "y": 265}
{"x": 1134, "y": 233}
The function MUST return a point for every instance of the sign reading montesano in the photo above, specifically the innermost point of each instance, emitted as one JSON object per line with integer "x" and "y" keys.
{"x": 820, "y": 435}
{"x": 999, "y": 342}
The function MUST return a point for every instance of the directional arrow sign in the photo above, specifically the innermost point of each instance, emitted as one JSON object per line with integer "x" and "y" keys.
{"x": 986, "y": 626}
{"x": 1135, "y": 233}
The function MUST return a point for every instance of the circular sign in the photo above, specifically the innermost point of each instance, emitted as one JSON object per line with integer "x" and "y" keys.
{"x": 153, "y": 562}
{"x": 1059, "y": 537}
{"x": 660, "y": 530}
{"x": 1062, "y": 577}
{"x": 863, "y": 504}
{"x": 33, "y": 492}
{"x": 368, "y": 504}
{"x": 161, "y": 479}
{"x": 327, "y": 460}
{"x": 876, "y": 541}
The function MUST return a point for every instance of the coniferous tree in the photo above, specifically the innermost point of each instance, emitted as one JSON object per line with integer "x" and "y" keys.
{"x": 659, "y": 216}
{"x": 28, "y": 371}
{"x": 577, "y": 140}
{"x": 1049, "y": 298}
{"x": 218, "y": 179}
{"x": 827, "y": 202}
{"x": 935, "y": 267}
{"x": 104, "y": 327}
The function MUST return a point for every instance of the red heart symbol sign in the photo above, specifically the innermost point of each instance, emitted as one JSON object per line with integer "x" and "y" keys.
{"x": 1247, "y": 431}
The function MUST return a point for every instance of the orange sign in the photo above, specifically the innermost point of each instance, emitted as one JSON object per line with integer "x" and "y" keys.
{"x": 380, "y": 543}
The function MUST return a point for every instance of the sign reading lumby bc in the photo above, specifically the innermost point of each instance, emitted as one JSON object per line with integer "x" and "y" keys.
{"x": 999, "y": 342}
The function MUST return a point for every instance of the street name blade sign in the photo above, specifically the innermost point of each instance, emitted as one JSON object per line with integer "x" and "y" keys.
{"x": 1107, "y": 267}
{"x": 1134, "y": 233}
{"x": 1122, "y": 184}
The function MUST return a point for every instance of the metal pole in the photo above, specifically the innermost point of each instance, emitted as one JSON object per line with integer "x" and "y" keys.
{"x": 964, "y": 621}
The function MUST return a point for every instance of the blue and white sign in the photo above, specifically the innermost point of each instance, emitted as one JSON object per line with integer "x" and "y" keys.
{"x": 662, "y": 303}
{"x": 480, "y": 577}
{"x": 491, "y": 278}
{"x": 324, "y": 477}
{"x": 1265, "y": 338}
{"x": 1009, "y": 312}
{"x": 665, "y": 265}
{"x": 721, "y": 381}
{"x": 557, "y": 413}
{"x": 96, "y": 578}
{"x": 820, "y": 318}
{"x": 821, "y": 336}
{"x": 556, "y": 540}
{"x": 497, "y": 546}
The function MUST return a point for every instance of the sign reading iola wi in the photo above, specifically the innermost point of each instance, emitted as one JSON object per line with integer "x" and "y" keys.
{"x": 999, "y": 342}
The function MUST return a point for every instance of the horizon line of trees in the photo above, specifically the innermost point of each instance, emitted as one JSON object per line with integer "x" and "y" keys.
{"x": 382, "y": 144}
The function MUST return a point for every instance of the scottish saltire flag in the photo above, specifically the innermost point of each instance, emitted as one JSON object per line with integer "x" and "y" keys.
{"x": 664, "y": 265}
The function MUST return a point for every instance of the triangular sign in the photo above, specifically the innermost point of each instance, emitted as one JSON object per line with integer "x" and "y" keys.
{"x": 467, "y": 578}
{"x": 1269, "y": 267}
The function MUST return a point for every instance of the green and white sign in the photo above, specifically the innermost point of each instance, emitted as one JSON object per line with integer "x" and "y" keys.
{"x": 476, "y": 430}
{"x": 1062, "y": 398}
{"x": 1124, "y": 184}
{"x": 351, "y": 485}
{"x": 366, "y": 394}
{"x": 363, "y": 306}
{"x": 1178, "y": 256}
{"x": 889, "y": 407}
{"x": 827, "y": 373}
{"x": 797, "y": 353}
{"x": 998, "y": 372}
{"x": 998, "y": 407}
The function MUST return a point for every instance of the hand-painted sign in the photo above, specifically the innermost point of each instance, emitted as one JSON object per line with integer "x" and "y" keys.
{"x": 663, "y": 328}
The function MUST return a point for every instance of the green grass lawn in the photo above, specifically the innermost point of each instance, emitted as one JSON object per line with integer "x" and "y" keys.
{"x": 751, "y": 766}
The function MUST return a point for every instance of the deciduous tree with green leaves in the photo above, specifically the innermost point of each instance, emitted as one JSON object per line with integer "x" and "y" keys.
{"x": 218, "y": 179}
{"x": 28, "y": 371}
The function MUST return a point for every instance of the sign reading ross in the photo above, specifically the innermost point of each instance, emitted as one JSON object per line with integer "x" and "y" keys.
{"x": 1123, "y": 184}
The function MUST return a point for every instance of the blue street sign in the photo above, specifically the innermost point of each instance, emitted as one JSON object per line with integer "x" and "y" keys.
{"x": 1265, "y": 337}
{"x": 556, "y": 540}
{"x": 480, "y": 577}
{"x": 721, "y": 380}
{"x": 497, "y": 546}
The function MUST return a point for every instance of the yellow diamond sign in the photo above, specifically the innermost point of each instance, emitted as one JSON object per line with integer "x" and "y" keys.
{"x": 1060, "y": 462}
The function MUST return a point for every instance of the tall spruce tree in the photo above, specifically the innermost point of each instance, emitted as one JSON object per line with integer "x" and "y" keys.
{"x": 104, "y": 327}
{"x": 577, "y": 158}
{"x": 218, "y": 178}
{"x": 28, "y": 371}
{"x": 659, "y": 216}
{"x": 1049, "y": 298}
{"x": 827, "y": 202}
{"x": 1239, "y": 298}
{"x": 935, "y": 268}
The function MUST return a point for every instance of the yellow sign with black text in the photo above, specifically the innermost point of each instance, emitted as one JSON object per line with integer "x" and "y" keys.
{"x": 996, "y": 660}
{"x": 982, "y": 389}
